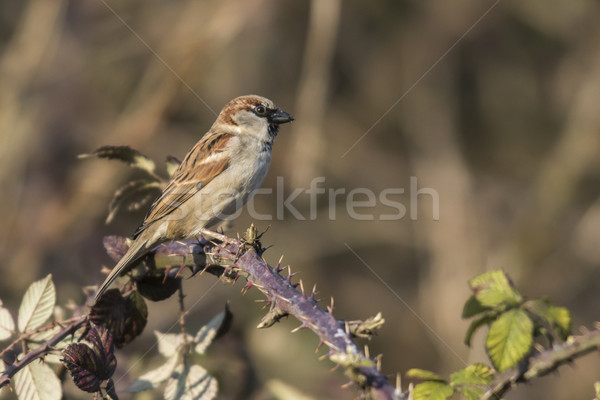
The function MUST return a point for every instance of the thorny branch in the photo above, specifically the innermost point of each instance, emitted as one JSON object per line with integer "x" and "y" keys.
{"x": 42, "y": 350}
{"x": 243, "y": 257}
{"x": 544, "y": 363}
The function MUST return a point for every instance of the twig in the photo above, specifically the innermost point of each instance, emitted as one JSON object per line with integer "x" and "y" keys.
{"x": 29, "y": 334}
{"x": 181, "y": 310}
{"x": 545, "y": 362}
{"x": 41, "y": 350}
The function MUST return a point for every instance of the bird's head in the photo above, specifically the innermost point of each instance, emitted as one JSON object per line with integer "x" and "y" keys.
{"x": 254, "y": 113}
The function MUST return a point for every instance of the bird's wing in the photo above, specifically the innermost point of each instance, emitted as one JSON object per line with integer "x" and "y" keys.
{"x": 201, "y": 165}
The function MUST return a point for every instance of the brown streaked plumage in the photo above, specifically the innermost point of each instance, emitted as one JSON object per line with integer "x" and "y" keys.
{"x": 213, "y": 180}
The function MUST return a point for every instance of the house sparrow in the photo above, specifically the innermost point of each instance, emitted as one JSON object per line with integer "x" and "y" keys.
{"x": 214, "y": 179}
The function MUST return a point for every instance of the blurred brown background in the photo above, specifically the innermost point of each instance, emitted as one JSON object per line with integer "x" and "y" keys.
{"x": 500, "y": 115}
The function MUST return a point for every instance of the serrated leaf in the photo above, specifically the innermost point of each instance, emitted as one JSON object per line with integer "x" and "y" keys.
{"x": 154, "y": 378}
{"x": 191, "y": 382}
{"x": 509, "y": 339}
{"x": 125, "y": 154}
{"x": 494, "y": 289}
{"x": 83, "y": 365}
{"x": 103, "y": 346}
{"x": 557, "y": 317}
{"x": 476, "y": 374}
{"x": 472, "y": 307}
{"x": 37, "y": 381}
{"x": 90, "y": 365}
{"x": 470, "y": 392}
{"x": 432, "y": 390}
{"x": 124, "y": 317}
{"x": 172, "y": 165}
{"x": 216, "y": 327}
{"x": 37, "y": 304}
{"x": 135, "y": 194}
{"x": 476, "y": 324}
{"x": 7, "y": 324}
{"x": 423, "y": 374}
{"x": 169, "y": 343}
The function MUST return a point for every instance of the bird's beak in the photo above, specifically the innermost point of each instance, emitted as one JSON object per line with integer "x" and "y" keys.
{"x": 280, "y": 117}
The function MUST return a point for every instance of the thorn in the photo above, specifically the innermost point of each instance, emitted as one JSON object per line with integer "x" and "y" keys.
{"x": 167, "y": 270}
{"x": 278, "y": 268}
{"x": 347, "y": 385}
{"x": 207, "y": 266}
{"x": 181, "y": 268}
{"x": 246, "y": 287}
{"x": 289, "y": 271}
{"x": 378, "y": 361}
{"x": 313, "y": 293}
{"x": 367, "y": 351}
{"x": 289, "y": 277}
{"x": 324, "y": 356}
{"x": 347, "y": 327}
{"x": 296, "y": 329}
{"x": 330, "y": 307}
{"x": 319, "y": 346}
{"x": 336, "y": 366}
{"x": 266, "y": 248}
{"x": 302, "y": 289}
{"x": 398, "y": 382}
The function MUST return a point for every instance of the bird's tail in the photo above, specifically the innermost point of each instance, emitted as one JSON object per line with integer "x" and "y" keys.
{"x": 138, "y": 249}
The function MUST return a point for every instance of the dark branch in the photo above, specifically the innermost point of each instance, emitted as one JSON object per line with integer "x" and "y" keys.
{"x": 42, "y": 350}
{"x": 242, "y": 257}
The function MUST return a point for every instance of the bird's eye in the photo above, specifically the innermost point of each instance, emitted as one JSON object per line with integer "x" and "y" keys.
{"x": 260, "y": 110}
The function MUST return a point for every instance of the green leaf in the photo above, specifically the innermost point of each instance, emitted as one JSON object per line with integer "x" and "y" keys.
{"x": 135, "y": 194}
{"x": 470, "y": 392}
{"x": 191, "y": 382}
{"x": 476, "y": 374}
{"x": 172, "y": 165}
{"x": 154, "y": 378}
{"x": 37, "y": 381}
{"x": 432, "y": 390}
{"x": 558, "y": 317}
{"x": 126, "y": 154}
{"x": 494, "y": 289}
{"x": 37, "y": 304}
{"x": 509, "y": 339}
{"x": 423, "y": 374}
{"x": 472, "y": 307}
{"x": 476, "y": 324}
{"x": 216, "y": 327}
{"x": 7, "y": 324}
